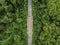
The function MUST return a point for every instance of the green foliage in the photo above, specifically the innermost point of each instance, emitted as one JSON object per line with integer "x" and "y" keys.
{"x": 46, "y": 27}
{"x": 13, "y": 18}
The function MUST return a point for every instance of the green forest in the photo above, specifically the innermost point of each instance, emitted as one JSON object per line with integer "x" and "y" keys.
{"x": 13, "y": 18}
{"x": 46, "y": 25}
{"x": 46, "y": 22}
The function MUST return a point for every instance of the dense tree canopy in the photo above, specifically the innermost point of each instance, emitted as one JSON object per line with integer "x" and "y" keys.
{"x": 46, "y": 30}
{"x": 13, "y": 16}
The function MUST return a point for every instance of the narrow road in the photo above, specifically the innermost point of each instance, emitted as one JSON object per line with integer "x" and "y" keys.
{"x": 29, "y": 22}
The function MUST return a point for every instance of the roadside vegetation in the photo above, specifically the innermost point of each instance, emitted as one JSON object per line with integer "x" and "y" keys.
{"x": 46, "y": 25}
{"x": 13, "y": 22}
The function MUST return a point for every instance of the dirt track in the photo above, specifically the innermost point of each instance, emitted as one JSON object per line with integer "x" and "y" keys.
{"x": 29, "y": 22}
